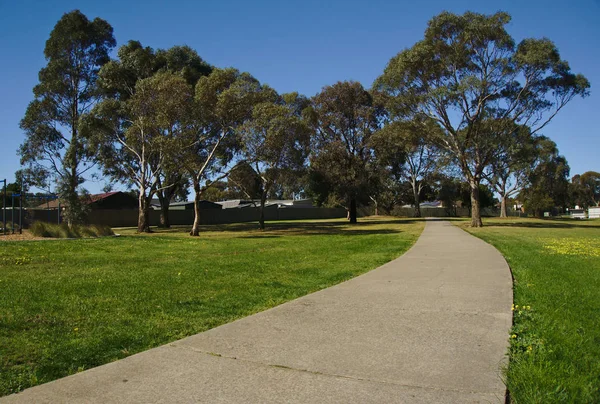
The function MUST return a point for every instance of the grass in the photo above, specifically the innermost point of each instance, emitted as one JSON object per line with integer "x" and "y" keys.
{"x": 42, "y": 229}
{"x": 69, "y": 305}
{"x": 555, "y": 340}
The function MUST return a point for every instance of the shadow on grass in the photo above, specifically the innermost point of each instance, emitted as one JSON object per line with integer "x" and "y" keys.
{"x": 278, "y": 229}
{"x": 546, "y": 224}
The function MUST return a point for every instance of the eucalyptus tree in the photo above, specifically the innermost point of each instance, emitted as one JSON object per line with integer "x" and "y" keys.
{"x": 405, "y": 148}
{"x": 344, "y": 117}
{"x": 548, "y": 182}
{"x": 585, "y": 189}
{"x": 591, "y": 181}
{"x": 508, "y": 173}
{"x": 223, "y": 103}
{"x": 53, "y": 146}
{"x": 135, "y": 138}
{"x": 118, "y": 79}
{"x": 243, "y": 182}
{"x": 468, "y": 75}
{"x": 274, "y": 141}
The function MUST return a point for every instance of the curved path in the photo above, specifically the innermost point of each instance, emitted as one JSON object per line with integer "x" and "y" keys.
{"x": 430, "y": 326}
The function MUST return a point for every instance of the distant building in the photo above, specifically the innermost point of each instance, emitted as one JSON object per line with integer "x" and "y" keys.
{"x": 594, "y": 212}
{"x": 577, "y": 213}
{"x": 432, "y": 204}
{"x": 107, "y": 200}
{"x": 189, "y": 205}
{"x": 279, "y": 203}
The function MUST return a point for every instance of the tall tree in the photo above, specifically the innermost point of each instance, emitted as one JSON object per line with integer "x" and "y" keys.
{"x": 134, "y": 139}
{"x": 515, "y": 160}
{"x": 118, "y": 79}
{"x": 585, "y": 189}
{"x": 591, "y": 181}
{"x": 344, "y": 117}
{"x": 223, "y": 103}
{"x": 405, "y": 148}
{"x": 75, "y": 51}
{"x": 275, "y": 141}
{"x": 548, "y": 184}
{"x": 468, "y": 75}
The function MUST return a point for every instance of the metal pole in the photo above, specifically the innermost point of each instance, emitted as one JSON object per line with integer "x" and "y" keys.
{"x": 4, "y": 209}
{"x": 12, "y": 213}
{"x": 21, "y": 212}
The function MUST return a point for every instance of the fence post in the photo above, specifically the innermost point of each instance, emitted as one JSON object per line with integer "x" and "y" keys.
{"x": 12, "y": 213}
{"x": 4, "y": 208}
{"x": 21, "y": 212}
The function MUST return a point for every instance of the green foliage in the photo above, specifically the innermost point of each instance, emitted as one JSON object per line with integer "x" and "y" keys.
{"x": 243, "y": 182}
{"x": 75, "y": 304}
{"x": 224, "y": 101}
{"x": 11, "y": 189}
{"x": 404, "y": 150}
{"x": 548, "y": 183}
{"x": 138, "y": 130}
{"x": 515, "y": 159}
{"x": 136, "y": 138}
{"x": 554, "y": 346}
{"x": 468, "y": 76}
{"x": 452, "y": 190}
{"x": 50, "y": 230}
{"x": 344, "y": 117}
{"x": 584, "y": 189}
{"x": 486, "y": 196}
{"x": 53, "y": 146}
{"x": 275, "y": 142}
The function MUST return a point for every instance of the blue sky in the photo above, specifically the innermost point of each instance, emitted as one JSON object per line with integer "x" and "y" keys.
{"x": 298, "y": 46}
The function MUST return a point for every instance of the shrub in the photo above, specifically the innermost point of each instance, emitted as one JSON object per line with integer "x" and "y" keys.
{"x": 102, "y": 230}
{"x": 42, "y": 229}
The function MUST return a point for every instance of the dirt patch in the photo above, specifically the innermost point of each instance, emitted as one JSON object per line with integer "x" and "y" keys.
{"x": 19, "y": 237}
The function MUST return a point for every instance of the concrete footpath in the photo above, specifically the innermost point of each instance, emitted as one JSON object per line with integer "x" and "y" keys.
{"x": 429, "y": 327}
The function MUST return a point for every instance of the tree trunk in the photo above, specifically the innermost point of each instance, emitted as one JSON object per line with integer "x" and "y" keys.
{"x": 475, "y": 205}
{"x": 417, "y": 200}
{"x": 503, "y": 208}
{"x": 352, "y": 212}
{"x": 164, "y": 216}
{"x": 196, "y": 226}
{"x": 144, "y": 212}
{"x": 164, "y": 197}
{"x": 261, "y": 219}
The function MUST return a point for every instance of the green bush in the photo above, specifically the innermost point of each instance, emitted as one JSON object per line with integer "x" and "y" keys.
{"x": 102, "y": 230}
{"x": 42, "y": 229}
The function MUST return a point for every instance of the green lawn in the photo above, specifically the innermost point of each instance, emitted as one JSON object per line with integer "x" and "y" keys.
{"x": 555, "y": 341}
{"x": 68, "y": 305}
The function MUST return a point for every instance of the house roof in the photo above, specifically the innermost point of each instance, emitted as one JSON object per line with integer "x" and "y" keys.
{"x": 244, "y": 203}
{"x": 87, "y": 200}
{"x": 433, "y": 204}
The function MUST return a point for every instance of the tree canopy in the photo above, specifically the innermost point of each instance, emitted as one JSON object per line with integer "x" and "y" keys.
{"x": 67, "y": 89}
{"x": 468, "y": 75}
{"x": 344, "y": 117}
{"x": 275, "y": 141}
{"x": 466, "y": 104}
